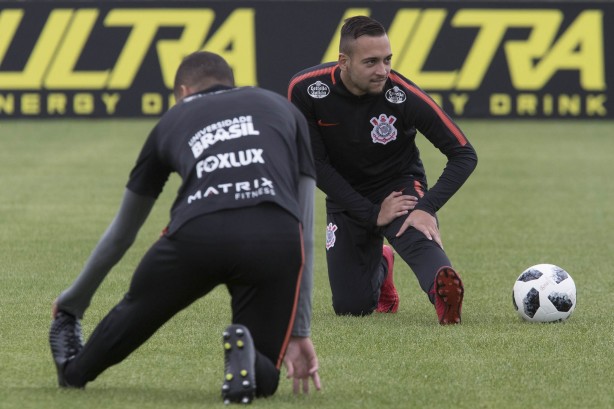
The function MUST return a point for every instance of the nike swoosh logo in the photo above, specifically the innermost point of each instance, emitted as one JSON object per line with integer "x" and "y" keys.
{"x": 322, "y": 123}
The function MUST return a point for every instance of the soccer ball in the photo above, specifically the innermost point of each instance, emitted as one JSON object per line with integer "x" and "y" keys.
{"x": 544, "y": 293}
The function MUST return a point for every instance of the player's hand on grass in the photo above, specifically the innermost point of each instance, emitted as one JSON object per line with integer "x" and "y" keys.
{"x": 396, "y": 204}
{"x": 424, "y": 222}
{"x": 54, "y": 308}
{"x": 301, "y": 364}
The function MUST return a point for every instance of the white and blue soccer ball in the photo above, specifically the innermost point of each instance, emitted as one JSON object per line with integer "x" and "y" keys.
{"x": 544, "y": 293}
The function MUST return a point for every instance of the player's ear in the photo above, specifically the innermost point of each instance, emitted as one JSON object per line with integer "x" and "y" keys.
{"x": 344, "y": 60}
{"x": 184, "y": 91}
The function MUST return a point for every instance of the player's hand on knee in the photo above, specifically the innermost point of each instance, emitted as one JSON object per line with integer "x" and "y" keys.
{"x": 423, "y": 222}
{"x": 396, "y": 204}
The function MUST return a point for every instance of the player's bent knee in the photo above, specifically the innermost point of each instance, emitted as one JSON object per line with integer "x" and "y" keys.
{"x": 266, "y": 386}
{"x": 354, "y": 309}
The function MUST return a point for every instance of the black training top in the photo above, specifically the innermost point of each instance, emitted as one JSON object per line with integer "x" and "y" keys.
{"x": 364, "y": 146}
{"x": 232, "y": 147}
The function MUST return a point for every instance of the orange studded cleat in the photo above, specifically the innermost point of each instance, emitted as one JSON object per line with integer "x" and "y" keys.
{"x": 389, "y": 297}
{"x": 449, "y": 292}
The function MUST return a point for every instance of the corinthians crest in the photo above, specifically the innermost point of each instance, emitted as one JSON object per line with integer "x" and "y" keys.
{"x": 330, "y": 235}
{"x": 383, "y": 129}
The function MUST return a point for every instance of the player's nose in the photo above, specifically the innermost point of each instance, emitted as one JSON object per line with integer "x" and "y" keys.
{"x": 382, "y": 69}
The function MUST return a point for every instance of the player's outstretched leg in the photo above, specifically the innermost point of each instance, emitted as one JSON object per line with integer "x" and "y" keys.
{"x": 449, "y": 292}
{"x": 389, "y": 297}
{"x": 66, "y": 340}
{"x": 239, "y": 361}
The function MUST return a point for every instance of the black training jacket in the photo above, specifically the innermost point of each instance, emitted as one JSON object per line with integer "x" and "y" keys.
{"x": 364, "y": 146}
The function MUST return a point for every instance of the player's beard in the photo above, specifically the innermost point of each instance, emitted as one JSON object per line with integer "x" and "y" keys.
{"x": 377, "y": 91}
{"x": 361, "y": 86}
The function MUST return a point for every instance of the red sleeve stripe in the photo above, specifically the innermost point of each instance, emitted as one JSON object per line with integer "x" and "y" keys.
{"x": 284, "y": 346}
{"x": 446, "y": 120}
{"x": 310, "y": 74}
{"x": 418, "y": 189}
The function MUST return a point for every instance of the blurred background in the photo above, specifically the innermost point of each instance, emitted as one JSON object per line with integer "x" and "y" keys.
{"x": 477, "y": 59}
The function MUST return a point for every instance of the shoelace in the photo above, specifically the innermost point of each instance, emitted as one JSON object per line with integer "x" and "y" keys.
{"x": 72, "y": 340}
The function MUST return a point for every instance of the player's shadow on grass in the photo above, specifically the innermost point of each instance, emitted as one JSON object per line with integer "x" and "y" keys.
{"x": 128, "y": 396}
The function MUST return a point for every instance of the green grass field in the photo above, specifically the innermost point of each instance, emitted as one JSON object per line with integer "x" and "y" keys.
{"x": 543, "y": 192}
